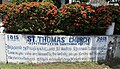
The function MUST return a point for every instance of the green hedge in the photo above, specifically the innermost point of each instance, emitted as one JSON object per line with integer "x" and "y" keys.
{"x": 46, "y": 18}
{"x": 31, "y": 17}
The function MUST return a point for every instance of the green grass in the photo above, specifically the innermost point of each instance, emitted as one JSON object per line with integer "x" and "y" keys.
{"x": 75, "y": 65}
{"x": 17, "y": 66}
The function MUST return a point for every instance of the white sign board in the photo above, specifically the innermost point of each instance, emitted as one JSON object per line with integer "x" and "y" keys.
{"x": 101, "y": 44}
{"x": 43, "y": 49}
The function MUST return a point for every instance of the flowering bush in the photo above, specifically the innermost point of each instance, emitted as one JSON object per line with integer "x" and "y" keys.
{"x": 106, "y": 15}
{"x": 44, "y": 17}
{"x": 31, "y": 17}
{"x": 86, "y": 19}
{"x": 76, "y": 18}
{"x": 102, "y": 19}
{"x": 117, "y": 19}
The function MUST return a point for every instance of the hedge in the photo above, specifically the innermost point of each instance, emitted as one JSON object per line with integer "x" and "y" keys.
{"x": 46, "y": 18}
{"x": 31, "y": 17}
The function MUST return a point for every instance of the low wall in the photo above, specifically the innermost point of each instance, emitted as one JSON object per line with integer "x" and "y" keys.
{"x": 2, "y": 49}
{"x": 117, "y": 52}
{"x": 17, "y": 48}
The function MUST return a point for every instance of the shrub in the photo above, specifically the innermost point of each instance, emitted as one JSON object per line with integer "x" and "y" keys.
{"x": 104, "y": 18}
{"x": 44, "y": 17}
{"x": 31, "y": 17}
{"x": 117, "y": 20}
{"x": 108, "y": 14}
{"x": 76, "y": 18}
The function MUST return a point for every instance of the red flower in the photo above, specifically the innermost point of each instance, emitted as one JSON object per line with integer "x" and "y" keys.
{"x": 84, "y": 15}
{"x": 94, "y": 20}
{"x": 42, "y": 10}
{"x": 55, "y": 12}
{"x": 10, "y": 26}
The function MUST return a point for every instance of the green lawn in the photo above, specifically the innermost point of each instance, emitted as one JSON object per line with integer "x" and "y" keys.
{"x": 112, "y": 64}
{"x": 76, "y": 65}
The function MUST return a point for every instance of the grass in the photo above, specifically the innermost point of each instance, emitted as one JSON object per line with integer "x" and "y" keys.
{"x": 17, "y": 66}
{"x": 75, "y": 65}
{"x": 112, "y": 64}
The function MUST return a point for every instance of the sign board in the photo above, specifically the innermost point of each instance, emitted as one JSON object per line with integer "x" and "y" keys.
{"x": 56, "y": 48}
{"x": 101, "y": 44}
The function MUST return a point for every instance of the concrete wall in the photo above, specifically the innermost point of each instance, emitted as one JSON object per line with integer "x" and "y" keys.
{"x": 9, "y": 43}
{"x": 2, "y": 48}
{"x": 117, "y": 53}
